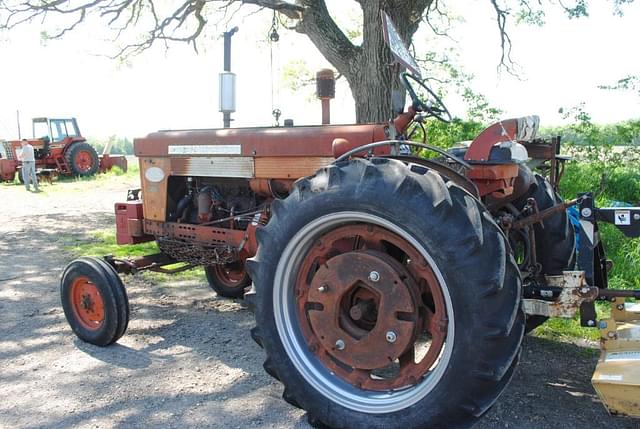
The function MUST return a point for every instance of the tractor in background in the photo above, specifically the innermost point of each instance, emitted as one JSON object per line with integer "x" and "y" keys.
{"x": 59, "y": 149}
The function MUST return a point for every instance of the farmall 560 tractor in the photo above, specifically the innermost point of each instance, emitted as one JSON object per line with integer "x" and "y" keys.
{"x": 389, "y": 290}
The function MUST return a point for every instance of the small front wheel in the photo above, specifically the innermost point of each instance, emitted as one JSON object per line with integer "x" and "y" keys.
{"x": 94, "y": 301}
{"x": 228, "y": 280}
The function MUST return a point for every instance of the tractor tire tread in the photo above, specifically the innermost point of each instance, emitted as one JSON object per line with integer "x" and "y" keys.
{"x": 497, "y": 300}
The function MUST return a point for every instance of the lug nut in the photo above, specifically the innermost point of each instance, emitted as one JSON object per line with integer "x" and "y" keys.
{"x": 340, "y": 345}
{"x": 391, "y": 337}
{"x": 374, "y": 276}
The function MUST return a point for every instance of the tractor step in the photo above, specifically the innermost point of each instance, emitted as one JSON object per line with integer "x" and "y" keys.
{"x": 617, "y": 375}
{"x": 62, "y": 166}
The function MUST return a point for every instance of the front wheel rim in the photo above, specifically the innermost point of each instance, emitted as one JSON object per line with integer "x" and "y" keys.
{"x": 372, "y": 395}
{"x": 230, "y": 275}
{"x": 87, "y": 303}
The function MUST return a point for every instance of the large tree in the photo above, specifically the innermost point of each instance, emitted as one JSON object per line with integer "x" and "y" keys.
{"x": 366, "y": 66}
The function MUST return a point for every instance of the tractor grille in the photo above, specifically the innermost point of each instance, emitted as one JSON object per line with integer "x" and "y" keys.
{"x": 197, "y": 253}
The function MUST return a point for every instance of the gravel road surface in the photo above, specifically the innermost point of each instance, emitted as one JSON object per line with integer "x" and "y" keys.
{"x": 187, "y": 359}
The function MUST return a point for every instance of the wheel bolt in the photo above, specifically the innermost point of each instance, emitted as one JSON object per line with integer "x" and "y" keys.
{"x": 340, "y": 345}
{"x": 374, "y": 276}
{"x": 391, "y": 337}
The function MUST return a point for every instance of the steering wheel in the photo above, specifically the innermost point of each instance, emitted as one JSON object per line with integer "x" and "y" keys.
{"x": 432, "y": 105}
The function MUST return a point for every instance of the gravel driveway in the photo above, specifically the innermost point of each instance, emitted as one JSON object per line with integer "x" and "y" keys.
{"x": 187, "y": 359}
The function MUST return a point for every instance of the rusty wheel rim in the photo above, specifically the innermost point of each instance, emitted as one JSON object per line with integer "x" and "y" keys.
{"x": 354, "y": 334}
{"x": 87, "y": 303}
{"x": 230, "y": 275}
{"x": 83, "y": 160}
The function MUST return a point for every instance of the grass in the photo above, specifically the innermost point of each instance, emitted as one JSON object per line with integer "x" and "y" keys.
{"x": 621, "y": 184}
{"x": 79, "y": 184}
{"x": 610, "y": 185}
{"x": 570, "y": 329}
{"x": 103, "y": 242}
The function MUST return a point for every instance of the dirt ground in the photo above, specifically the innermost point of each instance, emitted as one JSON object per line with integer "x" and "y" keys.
{"x": 187, "y": 359}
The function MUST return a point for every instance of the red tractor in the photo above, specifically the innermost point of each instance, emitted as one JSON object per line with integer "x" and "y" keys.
{"x": 60, "y": 148}
{"x": 389, "y": 290}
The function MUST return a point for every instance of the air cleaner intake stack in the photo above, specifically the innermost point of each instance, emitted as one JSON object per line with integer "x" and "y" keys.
{"x": 325, "y": 91}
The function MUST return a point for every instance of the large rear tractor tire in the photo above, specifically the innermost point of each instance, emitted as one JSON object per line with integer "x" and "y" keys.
{"x": 94, "y": 301}
{"x": 82, "y": 159}
{"x": 555, "y": 241}
{"x": 228, "y": 280}
{"x": 386, "y": 297}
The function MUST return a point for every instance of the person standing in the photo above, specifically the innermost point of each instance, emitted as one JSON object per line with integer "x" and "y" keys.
{"x": 28, "y": 165}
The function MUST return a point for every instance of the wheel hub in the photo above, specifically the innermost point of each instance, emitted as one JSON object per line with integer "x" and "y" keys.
{"x": 370, "y": 307}
{"x": 87, "y": 303}
{"x": 393, "y": 309}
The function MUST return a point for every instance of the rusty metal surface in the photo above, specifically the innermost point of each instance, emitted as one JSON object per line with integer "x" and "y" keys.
{"x": 140, "y": 263}
{"x": 203, "y": 234}
{"x": 289, "y": 167}
{"x": 345, "y": 289}
{"x": 154, "y": 173}
{"x": 496, "y": 180}
{"x": 206, "y": 245}
{"x": 517, "y": 129}
{"x": 574, "y": 291}
{"x": 272, "y": 141}
{"x": 271, "y": 187}
{"x": 542, "y": 215}
{"x": 221, "y": 166}
{"x": 346, "y": 274}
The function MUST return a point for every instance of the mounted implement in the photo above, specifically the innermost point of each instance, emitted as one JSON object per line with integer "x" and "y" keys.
{"x": 389, "y": 290}
{"x": 59, "y": 149}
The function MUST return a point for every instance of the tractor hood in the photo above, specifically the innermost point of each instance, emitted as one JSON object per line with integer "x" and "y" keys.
{"x": 256, "y": 142}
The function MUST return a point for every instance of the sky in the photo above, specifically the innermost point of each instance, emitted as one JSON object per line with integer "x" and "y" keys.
{"x": 561, "y": 65}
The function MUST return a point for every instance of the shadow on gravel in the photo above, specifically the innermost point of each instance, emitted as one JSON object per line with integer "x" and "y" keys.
{"x": 188, "y": 359}
{"x": 552, "y": 389}
{"x": 118, "y": 355}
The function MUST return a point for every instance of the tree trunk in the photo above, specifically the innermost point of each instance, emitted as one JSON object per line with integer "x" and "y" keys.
{"x": 368, "y": 68}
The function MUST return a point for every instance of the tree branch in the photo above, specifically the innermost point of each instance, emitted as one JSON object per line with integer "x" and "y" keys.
{"x": 332, "y": 43}
{"x": 505, "y": 40}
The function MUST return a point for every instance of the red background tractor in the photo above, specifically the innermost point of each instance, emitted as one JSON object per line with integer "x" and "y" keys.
{"x": 60, "y": 147}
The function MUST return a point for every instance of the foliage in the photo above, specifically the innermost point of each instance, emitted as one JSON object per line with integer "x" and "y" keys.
{"x": 605, "y": 161}
{"x": 628, "y": 83}
{"x": 120, "y": 145}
